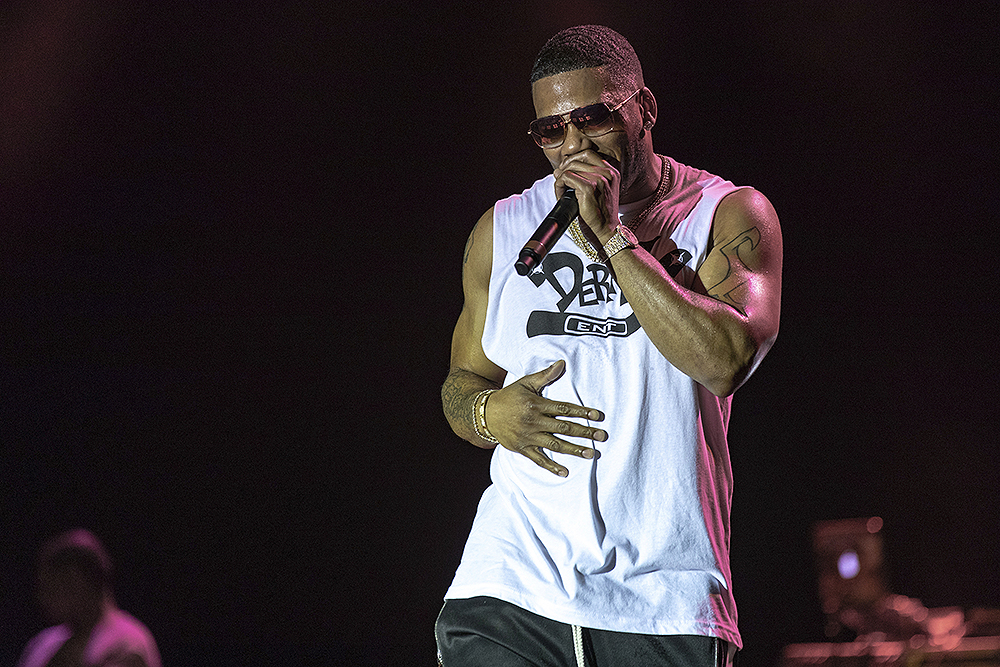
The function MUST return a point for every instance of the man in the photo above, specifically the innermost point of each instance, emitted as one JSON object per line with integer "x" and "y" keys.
{"x": 606, "y": 376}
{"x": 74, "y": 589}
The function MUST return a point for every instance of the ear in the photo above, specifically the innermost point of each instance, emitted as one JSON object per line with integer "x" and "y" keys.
{"x": 647, "y": 106}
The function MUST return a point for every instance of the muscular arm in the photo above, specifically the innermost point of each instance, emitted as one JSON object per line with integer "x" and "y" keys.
{"x": 717, "y": 335}
{"x": 719, "y": 331}
{"x": 471, "y": 371}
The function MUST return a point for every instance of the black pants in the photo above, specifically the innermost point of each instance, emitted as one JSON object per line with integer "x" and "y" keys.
{"x": 486, "y": 632}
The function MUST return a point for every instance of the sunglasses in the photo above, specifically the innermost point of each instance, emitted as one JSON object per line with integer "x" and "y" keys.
{"x": 593, "y": 121}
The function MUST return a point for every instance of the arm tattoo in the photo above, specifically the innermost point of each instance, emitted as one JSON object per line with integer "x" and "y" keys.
{"x": 457, "y": 394}
{"x": 736, "y": 251}
{"x": 455, "y": 399}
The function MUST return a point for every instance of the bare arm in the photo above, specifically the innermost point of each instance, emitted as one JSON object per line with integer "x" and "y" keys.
{"x": 517, "y": 415}
{"x": 471, "y": 371}
{"x": 717, "y": 333}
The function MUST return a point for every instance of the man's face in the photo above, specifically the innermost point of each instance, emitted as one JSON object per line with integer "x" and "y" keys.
{"x": 561, "y": 93}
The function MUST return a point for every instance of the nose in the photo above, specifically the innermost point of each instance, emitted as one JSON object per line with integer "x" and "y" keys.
{"x": 575, "y": 142}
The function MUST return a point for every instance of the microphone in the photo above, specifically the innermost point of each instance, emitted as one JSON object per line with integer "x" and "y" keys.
{"x": 548, "y": 232}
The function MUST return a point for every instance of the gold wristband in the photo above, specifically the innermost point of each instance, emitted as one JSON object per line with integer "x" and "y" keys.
{"x": 479, "y": 415}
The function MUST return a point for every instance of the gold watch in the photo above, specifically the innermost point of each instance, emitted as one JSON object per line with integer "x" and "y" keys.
{"x": 623, "y": 238}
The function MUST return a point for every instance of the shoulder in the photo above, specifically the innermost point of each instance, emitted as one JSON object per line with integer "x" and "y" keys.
{"x": 477, "y": 260}
{"x": 745, "y": 210}
{"x": 40, "y": 648}
{"x": 480, "y": 238}
{"x": 127, "y": 639}
{"x": 539, "y": 197}
{"x": 745, "y": 204}
{"x": 125, "y": 624}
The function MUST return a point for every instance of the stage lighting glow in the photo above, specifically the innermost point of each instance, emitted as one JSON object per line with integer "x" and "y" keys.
{"x": 848, "y": 564}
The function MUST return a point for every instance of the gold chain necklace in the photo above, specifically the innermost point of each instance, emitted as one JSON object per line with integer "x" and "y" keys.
{"x": 595, "y": 255}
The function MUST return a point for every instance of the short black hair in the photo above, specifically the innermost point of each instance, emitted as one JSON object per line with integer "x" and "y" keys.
{"x": 81, "y": 549}
{"x": 587, "y": 46}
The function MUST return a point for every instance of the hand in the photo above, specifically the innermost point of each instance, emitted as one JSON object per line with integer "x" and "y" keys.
{"x": 525, "y": 422}
{"x": 596, "y": 183}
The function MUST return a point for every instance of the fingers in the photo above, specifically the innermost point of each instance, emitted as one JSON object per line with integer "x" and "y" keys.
{"x": 548, "y": 423}
{"x": 546, "y": 429}
{"x": 537, "y": 455}
{"x": 586, "y": 168}
{"x": 588, "y": 181}
{"x": 560, "y": 409}
{"x": 538, "y": 381}
{"x": 596, "y": 182}
{"x": 586, "y": 160}
{"x": 543, "y": 378}
{"x": 543, "y": 461}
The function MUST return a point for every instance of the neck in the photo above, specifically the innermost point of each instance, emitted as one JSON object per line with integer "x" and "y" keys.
{"x": 645, "y": 177}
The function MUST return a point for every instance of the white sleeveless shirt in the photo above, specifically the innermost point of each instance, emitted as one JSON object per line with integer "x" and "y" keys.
{"x": 636, "y": 540}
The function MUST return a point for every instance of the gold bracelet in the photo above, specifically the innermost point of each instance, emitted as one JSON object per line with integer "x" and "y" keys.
{"x": 479, "y": 414}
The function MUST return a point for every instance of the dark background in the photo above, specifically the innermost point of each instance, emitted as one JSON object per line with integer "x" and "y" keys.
{"x": 230, "y": 268}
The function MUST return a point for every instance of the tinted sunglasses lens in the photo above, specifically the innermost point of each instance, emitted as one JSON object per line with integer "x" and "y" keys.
{"x": 594, "y": 120}
{"x": 548, "y": 131}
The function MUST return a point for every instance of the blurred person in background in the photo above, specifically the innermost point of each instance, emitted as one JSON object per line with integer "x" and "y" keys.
{"x": 74, "y": 591}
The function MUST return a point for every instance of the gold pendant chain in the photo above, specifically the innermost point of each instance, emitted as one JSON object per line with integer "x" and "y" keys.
{"x": 595, "y": 255}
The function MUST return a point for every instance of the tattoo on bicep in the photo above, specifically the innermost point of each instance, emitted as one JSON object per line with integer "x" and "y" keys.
{"x": 729, "y": 289}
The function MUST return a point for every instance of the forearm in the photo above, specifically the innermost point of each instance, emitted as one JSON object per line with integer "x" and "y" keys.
{"x": 705, "y": 338}
{"x": 458, "y": 395}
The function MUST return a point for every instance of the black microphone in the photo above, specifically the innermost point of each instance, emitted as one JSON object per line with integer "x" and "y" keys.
{"x": 552, "y": 227}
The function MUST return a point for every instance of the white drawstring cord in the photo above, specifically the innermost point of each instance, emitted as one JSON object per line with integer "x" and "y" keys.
{"x": 578, "y": 645}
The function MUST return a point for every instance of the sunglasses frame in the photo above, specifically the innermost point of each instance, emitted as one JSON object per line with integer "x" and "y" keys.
{"x": 579, "y": 111}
